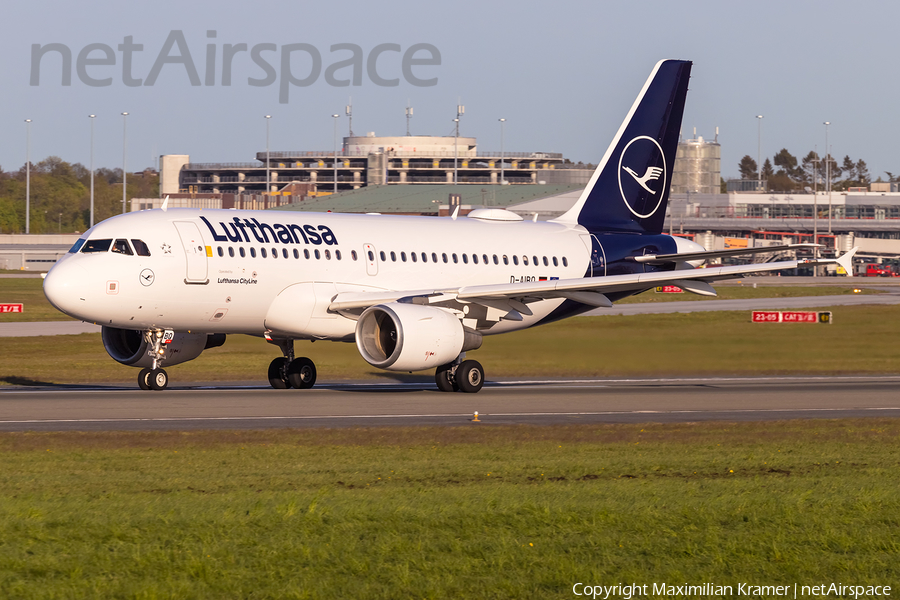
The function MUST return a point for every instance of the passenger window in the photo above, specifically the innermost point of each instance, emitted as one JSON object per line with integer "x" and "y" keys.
{"x": 140, "y": 247}
{"x": 444, "y": 256}
{"x": 393, "y": 256}
{"x": 220, "y": 251}
{"x": 546, "y": 264}
{"x": 371, "y": 256}
{"x": 505, "y": 260}
{"x": 318, "y": 256}
{"x": 328, "y": 255}
{"x": 455, "y": 259}
{"x": 77, "y": 246}
{"x": 434, "y": 257}
{"x": 403, "y": 256}
{"x": 262, "y": 252}
{"x": 496, "y": 262}
{"x": 274, "y": 252}
{"x": 474, "y": 259}
{"x": 337, "y": 254}
{"x": 353, "y": 254}
{"x": 284, "y": 252}
{"x": 305, "y": 253}
{"x": 466, "y": 258}
{"x": 565, "y": 262}
{"x": 525, "y": 260}
{"x": 536, "y": 263}
{"x": 242, "y": 252}
{"x": 484, "y": 256}
{"x": 252, "y": 252}
{"x": 515, "y": 260}
{"x": 383, "y": 256}
{"x": 296, "y": 253}
{"x": 555, "y": 262}
{"x": 425, "y": 257}
{"x": 230, "y": 251}
{"x": 412, "y": 255}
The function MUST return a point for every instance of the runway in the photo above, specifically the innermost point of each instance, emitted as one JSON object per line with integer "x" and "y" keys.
{"x": 375, "y": 404}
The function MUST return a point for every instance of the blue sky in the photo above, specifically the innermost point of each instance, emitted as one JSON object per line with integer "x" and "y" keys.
{"x": 563, "y": 74}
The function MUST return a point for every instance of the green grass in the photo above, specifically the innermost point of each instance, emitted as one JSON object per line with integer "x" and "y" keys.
{"x": 474, "y": 512}
{"x": 37, "y": 308}
{"x": 861, "y": 341}
{"x": 29, "y": 292}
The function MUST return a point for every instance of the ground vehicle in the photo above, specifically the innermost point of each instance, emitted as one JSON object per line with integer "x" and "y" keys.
{"x": 877, "y": 270}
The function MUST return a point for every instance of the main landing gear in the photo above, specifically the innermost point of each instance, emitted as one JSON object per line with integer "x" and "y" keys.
{"x": 289, "y": 372}
{"x": 460, "y": 376}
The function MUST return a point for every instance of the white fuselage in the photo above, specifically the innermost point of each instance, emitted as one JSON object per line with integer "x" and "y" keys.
{"x": 207, "y": 274}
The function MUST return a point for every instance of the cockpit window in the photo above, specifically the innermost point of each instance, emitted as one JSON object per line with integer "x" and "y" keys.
{"x": 122, "y": 247}
{"x": 141, "y": 248}
{"x": 96, "y": 246}
{"x": 78, "y": 244}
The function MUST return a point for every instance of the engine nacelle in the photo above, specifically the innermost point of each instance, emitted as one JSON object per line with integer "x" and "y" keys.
{"x": 411, "y": 337}
{"x": 129, "y": 346}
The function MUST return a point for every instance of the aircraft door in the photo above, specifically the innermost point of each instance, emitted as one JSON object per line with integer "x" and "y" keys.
{"x": 371, "y": 259}
{"x": 597, "y": 264}
{"x": 194, "y": 251}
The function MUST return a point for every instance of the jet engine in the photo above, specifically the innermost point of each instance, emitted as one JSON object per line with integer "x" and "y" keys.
{"x": 411, "y": 337}
{"x": 130, "y": 347}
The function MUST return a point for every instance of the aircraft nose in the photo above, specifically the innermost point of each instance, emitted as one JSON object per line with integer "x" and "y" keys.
{"x": 64, "y": 287}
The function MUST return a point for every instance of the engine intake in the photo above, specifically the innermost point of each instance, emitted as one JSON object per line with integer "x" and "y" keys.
{"x": 410, "y": 337}
{"x": 128, "y": 346}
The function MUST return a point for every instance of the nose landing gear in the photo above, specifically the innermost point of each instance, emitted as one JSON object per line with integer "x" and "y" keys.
{"x": 154, "y": 378}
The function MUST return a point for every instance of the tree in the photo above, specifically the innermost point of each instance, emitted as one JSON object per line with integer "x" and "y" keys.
{"x": 849, "y": 168}
{"x": 862, "y": 173}
{"x": 747, "y": 167}
{"x": 767, "y": 171}
{"x": 787, "y": 163}
{"x": 810, "y": 169}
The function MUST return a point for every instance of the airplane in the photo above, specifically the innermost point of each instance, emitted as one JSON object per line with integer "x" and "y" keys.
{"x": 412, "y": 293}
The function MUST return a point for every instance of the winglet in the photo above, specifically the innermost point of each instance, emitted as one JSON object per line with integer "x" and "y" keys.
{"x": 165, "y": 204}
{"x": 846, "y": 261}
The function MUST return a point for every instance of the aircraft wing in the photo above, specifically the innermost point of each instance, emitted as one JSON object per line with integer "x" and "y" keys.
{"x": 658, "y": 259}
{"x": 514, "y": 297}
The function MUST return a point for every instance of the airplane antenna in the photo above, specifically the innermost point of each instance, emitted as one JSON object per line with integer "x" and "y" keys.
{"x": 409, "y": 114}
{"x": 455, "y": 212}
{"x": 349, "y": 111}
{"x": 165, "y": 204}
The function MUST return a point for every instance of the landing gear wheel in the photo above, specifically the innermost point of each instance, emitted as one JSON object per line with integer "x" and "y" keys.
{"x": 158, "y": 379}
{"x": 301, "y": 373}
{"x": 443, "y": 377}
{"x": 144, "y": 379}
{"x": 277, "y": 377}
{"x": 470, "y": 376}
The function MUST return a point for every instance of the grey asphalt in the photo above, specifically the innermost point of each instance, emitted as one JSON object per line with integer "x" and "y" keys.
{"x": 417, "y": 402}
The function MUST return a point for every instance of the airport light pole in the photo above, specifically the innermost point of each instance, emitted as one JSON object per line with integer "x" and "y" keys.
{"x": 27, "y": 175}
{"x": 460, "y": 109}
{"x": 502, "y": 122}
{"x": 828, "y": 173}
{"x": 92, "y": 168}
{"x": 334, "y": 149}
{"x": 267, "y": 153}
{"x": 759, "y": 119}
{"x": 124, "y": 153}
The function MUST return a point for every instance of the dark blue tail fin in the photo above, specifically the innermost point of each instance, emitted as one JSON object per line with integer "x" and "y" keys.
{"x": 629, "y": 191}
